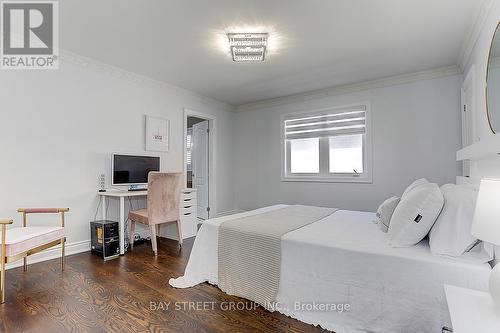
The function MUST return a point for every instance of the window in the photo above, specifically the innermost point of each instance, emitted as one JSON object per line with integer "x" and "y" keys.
{"x": 304, "y": 155}
{"x": 328, "y": 145}
{"x": 346, "y": 153}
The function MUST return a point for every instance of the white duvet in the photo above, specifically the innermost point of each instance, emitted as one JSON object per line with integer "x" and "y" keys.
{"x": 345, "y": 259}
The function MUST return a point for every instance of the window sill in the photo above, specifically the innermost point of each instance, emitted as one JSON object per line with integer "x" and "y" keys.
{"x": 358, "y": 180}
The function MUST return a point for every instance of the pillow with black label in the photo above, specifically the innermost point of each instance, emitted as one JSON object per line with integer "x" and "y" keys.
{"x": 384, "y": 213}
{"x": 415, "y": 215}
{"x": 415, "y": 183}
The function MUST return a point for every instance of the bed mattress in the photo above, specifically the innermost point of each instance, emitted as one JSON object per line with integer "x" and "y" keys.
{"x": 340, "y": 273}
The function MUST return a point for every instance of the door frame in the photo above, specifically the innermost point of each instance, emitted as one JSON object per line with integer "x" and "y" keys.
{"x": 468, "y": 116}
{"x": 470, "y": 126}
{"x": 212, "y": 154}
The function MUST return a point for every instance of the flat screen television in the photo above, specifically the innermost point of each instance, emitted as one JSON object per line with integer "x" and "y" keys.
{"x": 129, "y": 169}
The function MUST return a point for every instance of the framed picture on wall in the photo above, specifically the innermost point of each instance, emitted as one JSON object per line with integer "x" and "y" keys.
{"x": 157, "y": 134}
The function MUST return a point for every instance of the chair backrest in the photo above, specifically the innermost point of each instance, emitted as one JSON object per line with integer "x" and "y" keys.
{"x": 164, "y": 195}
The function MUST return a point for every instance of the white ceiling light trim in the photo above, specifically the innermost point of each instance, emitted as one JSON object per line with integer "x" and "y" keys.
{"x": 248, "y": 47}
{"x": 247, "y": 43}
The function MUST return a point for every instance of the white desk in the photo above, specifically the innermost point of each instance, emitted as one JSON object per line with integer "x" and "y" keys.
{"x": 188, "y": 195}
{"x": 472, "y": 310}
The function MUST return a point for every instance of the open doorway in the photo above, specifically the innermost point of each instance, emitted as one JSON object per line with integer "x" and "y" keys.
{"x": 197, "y": 157}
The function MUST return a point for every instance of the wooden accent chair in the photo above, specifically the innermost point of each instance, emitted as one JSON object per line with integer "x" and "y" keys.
{"x": 164, "y": 195}
{"x": 20, "y": 242}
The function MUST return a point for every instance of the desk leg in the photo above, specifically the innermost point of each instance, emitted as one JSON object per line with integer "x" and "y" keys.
{"x": 103, "y": 198}
{"x": 122, "y": 225}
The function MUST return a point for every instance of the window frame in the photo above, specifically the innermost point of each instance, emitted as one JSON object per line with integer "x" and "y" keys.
{"x": 324, "y": 176}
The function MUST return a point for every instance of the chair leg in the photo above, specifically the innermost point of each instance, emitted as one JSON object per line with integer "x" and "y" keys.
{"x": 152, "y": 228}
{"x": 25, "y": 264}
{"x": 63, "y": 253}
{"x": 2, "y": 283}
{"x": 131, "y": 235}
{"x": 179, "y": 232}
{"x": 2, "y": 267}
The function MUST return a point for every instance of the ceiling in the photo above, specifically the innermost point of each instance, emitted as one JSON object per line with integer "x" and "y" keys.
{"x": 319, "y": 43}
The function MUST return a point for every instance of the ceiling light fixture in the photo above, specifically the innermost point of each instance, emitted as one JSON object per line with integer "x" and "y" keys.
{"x": 248, "y": 47}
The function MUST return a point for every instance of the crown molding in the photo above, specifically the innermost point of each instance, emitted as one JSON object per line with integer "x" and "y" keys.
{"x": 122, "y": 74}
{"x": 351, "y": 88}
{"x": 473, "y": 32}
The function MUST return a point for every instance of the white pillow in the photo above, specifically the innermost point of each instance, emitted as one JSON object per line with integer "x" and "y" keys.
{"x": 451, "y": 234}
{"x": 413, "y": 185}
{"x": 384, "y": 213}
{"x": 415, "y": 214}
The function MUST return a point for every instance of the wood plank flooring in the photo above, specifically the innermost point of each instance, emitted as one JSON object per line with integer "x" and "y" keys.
{"x": 128, "y": 294}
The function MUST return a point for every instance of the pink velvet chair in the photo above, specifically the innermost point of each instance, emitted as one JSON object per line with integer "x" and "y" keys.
{"x": 20, "y": 242}
{"x": 164, "y": 195}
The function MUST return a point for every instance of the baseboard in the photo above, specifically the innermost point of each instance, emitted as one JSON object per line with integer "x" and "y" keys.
{"x": 54, "y": 253}
{"x": 229, "y": 212}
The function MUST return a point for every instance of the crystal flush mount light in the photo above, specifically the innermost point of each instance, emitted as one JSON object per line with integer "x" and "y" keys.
{"x": 248, "y": 47}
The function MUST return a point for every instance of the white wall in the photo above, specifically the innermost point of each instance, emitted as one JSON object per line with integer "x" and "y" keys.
{"x": 416, "y": 131}
{"x": 59, "y": 127}
{"x": 479, "y": 60}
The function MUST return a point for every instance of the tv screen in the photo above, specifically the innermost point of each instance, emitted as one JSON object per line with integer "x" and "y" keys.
{"x": 130, "y": 169}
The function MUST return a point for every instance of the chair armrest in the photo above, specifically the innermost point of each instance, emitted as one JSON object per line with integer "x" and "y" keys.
{"x": 6, "y": 222}
{"x": 26, "y": 211}
{"x": 42, "y": 210}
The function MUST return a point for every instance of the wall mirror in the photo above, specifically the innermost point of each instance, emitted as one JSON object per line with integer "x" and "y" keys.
{"x": 493, "y": 83}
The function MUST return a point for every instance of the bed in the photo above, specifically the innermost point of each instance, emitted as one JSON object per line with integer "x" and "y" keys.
{"x": 343, "y": 259}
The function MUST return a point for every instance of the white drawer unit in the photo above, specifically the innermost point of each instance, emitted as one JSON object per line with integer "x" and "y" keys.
{"x": 188, "y": 213}
{"x": 471, "y": 310}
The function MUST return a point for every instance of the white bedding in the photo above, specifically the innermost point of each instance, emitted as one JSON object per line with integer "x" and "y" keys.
{"x": 344, "y": 258}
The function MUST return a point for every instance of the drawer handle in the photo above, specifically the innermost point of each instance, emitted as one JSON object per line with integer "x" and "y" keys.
{"x": 187, "y": 199}
{"x": 186, "y": 207}
{"x": 186, "y": 214}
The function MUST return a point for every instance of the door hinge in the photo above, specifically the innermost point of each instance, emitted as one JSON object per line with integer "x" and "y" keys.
{"x": 465, "y": 107}
{"x": 208, "y": 209}
{"x": 208, "y": 130}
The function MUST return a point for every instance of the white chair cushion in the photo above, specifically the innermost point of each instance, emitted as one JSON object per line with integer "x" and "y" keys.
{"x": 415, "y": 215}
{"x": 19, "y": 240}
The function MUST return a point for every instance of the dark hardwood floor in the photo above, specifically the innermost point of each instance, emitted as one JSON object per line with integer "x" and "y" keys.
{"x": 128, "y": 294}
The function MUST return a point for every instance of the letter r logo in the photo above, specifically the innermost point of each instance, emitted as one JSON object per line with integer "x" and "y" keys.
{"x": 28, "y": 28}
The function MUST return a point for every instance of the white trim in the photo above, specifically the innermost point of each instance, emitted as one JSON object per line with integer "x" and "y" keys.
{"x": 473, "y": 32}
{"x": 488, "y": 147}
{"x": 120, "y": 73}
{"x": 367, "y": 176}
{"x": 350, "y": 88}
{"x": 468, "y": 115}
{"x": 336, "y": 179}
{"x": 212, "y": 172}
{"x": 54, "y": 253}
{"x": 469, "y": 83}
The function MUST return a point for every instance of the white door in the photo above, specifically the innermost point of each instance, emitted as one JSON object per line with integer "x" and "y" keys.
{"x": 199, "y": 160}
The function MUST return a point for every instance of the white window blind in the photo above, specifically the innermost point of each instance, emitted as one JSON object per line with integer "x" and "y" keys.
{"x": 189, "y": 146}
{"x": 326, "y": 124}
